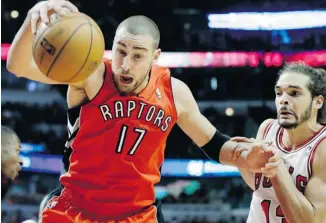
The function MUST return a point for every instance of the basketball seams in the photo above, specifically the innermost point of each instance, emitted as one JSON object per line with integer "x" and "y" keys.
{"x": 63, "y": 46}
{"x": 47, "y": 29}
{"x": 85, "y": 60}
{"x": 89, "y": 51}
{"x": 99, "y": 31}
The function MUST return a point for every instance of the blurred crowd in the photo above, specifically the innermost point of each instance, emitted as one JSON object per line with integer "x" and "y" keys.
{"x": 183, "y": 24}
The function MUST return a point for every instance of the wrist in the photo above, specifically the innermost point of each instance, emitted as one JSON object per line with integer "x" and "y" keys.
{"x": 27, "y": 23}
{"x": 280, "y": 170}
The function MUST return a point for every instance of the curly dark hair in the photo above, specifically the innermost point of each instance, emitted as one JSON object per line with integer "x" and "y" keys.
{"x": 316, "y": 86}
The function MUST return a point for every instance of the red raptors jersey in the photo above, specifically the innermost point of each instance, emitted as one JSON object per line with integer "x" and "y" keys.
{"x": 119, "y": 147}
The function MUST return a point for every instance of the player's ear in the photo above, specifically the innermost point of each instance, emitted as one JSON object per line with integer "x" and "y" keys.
{"x": 319, "y": 101}
{"x": 157, "y": 54}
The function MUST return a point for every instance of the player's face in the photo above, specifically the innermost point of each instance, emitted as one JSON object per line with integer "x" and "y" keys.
{"x": 132, "y": 58}
{"x": 293, "y": 100}
{"x": 10, "y": 161}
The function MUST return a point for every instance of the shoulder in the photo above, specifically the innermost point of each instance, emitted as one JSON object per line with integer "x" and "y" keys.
{"x": 179, "y": 86}
{"x": 319, "y": 157}
{"x": 263, "y": 128}
{"x": 265, "y": 124}
{"x": 180, "y": 90}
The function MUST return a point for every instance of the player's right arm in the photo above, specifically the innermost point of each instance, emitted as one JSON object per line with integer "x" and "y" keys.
{"x": 247, "y": 175}
{"x": 216, "y": 145}
{"x": 20, "y": 58}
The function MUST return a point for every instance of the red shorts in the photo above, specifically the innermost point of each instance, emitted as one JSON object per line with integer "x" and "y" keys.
{"x": 60, "y": 210}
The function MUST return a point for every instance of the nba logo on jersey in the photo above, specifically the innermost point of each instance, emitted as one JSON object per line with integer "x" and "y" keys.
{"x": 158, "y": 94}
{"x": 52, "y": 204}
{"x": 308, "y": 151}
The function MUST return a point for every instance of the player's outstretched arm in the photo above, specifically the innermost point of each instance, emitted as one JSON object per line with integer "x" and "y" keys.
{"x": 20, "y": 60}
{"x": 309, "y": 207}
{"x": 216, "y": 145}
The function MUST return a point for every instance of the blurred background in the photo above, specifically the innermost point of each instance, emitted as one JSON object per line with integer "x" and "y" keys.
{"x": 229, "y": 60}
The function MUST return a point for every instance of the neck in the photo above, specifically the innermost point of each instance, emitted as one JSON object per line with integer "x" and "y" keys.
{"x": 293, "y": 138}
{"x": 142, "y": 85}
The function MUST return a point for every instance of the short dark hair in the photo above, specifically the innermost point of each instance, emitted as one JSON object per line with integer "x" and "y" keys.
{"x": 142, "y": 25}
{"x": 316, "y": 86}
{"x": 7, "y": 135}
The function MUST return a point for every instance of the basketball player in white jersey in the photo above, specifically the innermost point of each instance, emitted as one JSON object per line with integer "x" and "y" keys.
{"x": 292, "y": 189}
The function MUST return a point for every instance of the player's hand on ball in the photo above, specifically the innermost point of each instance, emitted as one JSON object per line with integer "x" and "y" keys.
{"x": 271, "y": 167}
{"x": 41, "y": 10}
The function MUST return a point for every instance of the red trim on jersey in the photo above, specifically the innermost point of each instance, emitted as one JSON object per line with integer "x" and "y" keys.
{"x": 268, "y": 128}
{"x": 312, "y": 156}
{"x": 304, "y": 144}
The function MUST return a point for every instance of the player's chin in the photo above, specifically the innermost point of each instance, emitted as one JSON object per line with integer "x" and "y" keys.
{"x": 125, "y": 89}
{"x": 288, "y": 124}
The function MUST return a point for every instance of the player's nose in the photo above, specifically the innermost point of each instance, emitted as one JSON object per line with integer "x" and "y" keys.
{"x": 126, "y": 63}
{"x": 20, "y": 161}
{"x": 284, "y": 100}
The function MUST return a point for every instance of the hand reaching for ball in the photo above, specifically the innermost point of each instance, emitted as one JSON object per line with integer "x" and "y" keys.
{"x": 41, "y": 11}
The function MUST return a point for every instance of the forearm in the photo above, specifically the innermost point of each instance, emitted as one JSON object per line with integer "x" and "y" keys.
{"x": 20, "y": 59}
{"x": 20, "y": 53}
{"x": 248, "y": 177}
{"x": 295, "y": 206}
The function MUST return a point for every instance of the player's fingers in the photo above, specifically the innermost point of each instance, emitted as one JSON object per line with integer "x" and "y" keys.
{"x": 44, "y": 12}
{"x": 70, "y": 6}
{"x": 238, "y": 152}
{"x": 53, "y": 17}
{"x": 258, "y": 146}
{"x": 264, "y": 147}
{"x": 269, "y": 175}
{"x": 274, "y": 158}
{"x": 265, "y": 170}
{"x": 241, "y": 139}
{"x": 268, "y": 142}
{"x": 272, "y": 164}
{"x": 63, "y": 11}
{"x": 34, "y": 20}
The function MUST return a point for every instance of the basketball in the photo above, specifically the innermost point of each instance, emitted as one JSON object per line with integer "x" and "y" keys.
{"x": 69, "y": 48}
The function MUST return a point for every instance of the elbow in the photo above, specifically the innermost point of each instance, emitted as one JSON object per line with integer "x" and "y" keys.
{"x": 12, "y": 68}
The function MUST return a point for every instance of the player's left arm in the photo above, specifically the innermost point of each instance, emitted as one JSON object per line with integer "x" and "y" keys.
{"x": 310, "y": 207}
{"x": 216, "y": 145}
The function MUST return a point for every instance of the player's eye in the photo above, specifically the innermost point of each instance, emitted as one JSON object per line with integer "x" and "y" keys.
{"x": 137, "y": 56}
{"x": 122, "y": 52}
{"x": 294, "y": 93}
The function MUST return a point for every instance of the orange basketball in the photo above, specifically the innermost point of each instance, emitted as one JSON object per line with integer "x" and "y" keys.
{"x": 69, "y": 49}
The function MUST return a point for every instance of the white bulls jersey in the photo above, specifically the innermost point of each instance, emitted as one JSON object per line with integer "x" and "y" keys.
{"x": 265, "y": 207}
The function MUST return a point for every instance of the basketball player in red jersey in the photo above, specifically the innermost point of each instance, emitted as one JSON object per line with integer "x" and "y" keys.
{"x": 118, "y": 122}
{"x": 293, "y": 189}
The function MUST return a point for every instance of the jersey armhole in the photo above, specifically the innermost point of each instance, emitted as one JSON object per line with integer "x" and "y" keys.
{"x": 312, "y": 156}
{"x": 266, "y": 130}
{"x": 172, "y": 95}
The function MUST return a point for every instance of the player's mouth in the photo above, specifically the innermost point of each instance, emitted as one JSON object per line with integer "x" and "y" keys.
{"x": 125, "y": 79}
{"x": 285, "y": 113}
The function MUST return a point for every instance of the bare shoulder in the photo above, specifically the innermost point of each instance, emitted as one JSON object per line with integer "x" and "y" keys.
{"x": 183, "y": 98}
{"x": 180, "y": 90}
